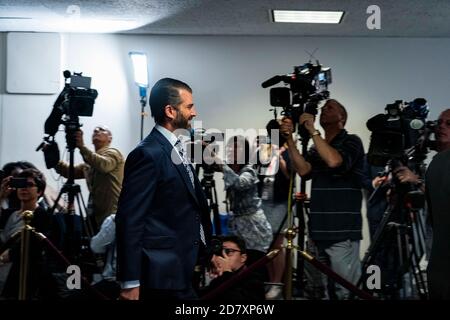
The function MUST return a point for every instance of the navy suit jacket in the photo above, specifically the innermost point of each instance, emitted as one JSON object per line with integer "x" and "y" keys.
{"x": 158, "y": 218}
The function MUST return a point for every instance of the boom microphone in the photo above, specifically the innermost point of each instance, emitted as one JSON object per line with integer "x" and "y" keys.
{"x": 271, "y": 81}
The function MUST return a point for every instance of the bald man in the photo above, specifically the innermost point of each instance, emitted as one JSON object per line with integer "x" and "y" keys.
{"x": 103, "y": 171}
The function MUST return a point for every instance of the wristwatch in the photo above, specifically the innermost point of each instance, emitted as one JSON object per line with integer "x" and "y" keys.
{"x": 315, "y": 133}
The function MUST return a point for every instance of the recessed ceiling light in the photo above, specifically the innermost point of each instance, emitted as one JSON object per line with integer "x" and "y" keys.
{"x": 297, "y": 16}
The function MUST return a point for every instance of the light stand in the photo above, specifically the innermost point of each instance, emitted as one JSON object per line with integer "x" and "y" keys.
{"x": 143, "y": 101}
{"x": 140, "y": 70}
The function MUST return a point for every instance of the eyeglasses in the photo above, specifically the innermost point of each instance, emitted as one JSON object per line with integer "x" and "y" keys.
{"x": 229, "y": 251}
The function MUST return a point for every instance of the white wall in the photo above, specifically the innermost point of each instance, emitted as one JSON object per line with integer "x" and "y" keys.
{"x": 225, "y": 74}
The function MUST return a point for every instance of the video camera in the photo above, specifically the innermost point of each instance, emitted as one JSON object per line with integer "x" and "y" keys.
{"x": 75, "y": 100}
{"x": 200, "y": 139}
{"x": 400, "y": 132}
{"x": 308, "y": 85}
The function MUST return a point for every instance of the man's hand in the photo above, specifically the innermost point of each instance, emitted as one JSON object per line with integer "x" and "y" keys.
{"x": 79, "y": 142}
{"x": 210, "y": 157}
{"x": 129, "y": 294}
{"x": 286, "y": 128}
{"x": 221, "y": 264}
{"x": 4, "y": 257}
{"x": 307, "y": 120}
{"x": 5, "y": 190}
{"x": 378, "y": 181}
{"x": 404, "y": 175}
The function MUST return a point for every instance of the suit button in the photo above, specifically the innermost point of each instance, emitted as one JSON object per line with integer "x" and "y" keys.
{"x": 196, "y": 242}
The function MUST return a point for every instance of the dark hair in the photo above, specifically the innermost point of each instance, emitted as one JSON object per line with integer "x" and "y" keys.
{"x": 237, "y": 139}
{"x": 9, "y": 167}
{"x": 343, "y": 110}
{"x": 37, "y": 176}
{"x": 165, "y": 92}
{"x": 236, "y": 240}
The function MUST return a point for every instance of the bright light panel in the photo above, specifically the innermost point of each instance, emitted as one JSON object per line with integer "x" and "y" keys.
{"x": 139, "y": 61}
{"x": 296, "y": 16}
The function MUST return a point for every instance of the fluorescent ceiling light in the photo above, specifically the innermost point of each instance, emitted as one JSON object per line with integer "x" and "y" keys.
{"x": 139, "y": 61}
{"x": 297, "y": 16}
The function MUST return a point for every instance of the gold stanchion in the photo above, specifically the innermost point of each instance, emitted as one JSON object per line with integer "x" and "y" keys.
{"x": 289, "y": 235}
{"x": 24, "y": 253}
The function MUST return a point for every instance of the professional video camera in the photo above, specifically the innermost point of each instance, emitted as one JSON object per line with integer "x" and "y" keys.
{"x": 200, "y": 139}
{"x": 308, "y": 86}
{"x": 402, "y": 132}
{"x": 400, "y": 138}
{"x": 75, "y": 100}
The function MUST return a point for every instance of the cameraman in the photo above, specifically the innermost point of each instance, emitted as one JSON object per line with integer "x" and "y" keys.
{"x": 438, "y": 195}
{"x": 103, "y": 171}
{"x": 334, "y": 164}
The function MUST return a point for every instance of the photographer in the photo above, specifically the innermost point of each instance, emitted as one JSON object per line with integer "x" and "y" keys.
{"x": 241, "y": 183}
{"x": 334, "y": 164}
{"x": 228, "y": 263}
{"x": 274, "y": 174}
{"x": 102, "y": 169}
{"x": 438, "y": 195}
{"x": 8, "y": 196}
{"x": 28, "y": 196}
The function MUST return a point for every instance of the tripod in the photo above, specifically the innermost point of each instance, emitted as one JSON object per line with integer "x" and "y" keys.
{"x": 74, "y": 234}
{"x": 399, "y": 246}
{"x": 209, "y": 186}
{"x": 302, "y": 254}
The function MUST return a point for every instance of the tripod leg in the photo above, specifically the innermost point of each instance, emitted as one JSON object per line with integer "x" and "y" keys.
{"x": 376, "y": 245}
{"x": 300, "y": 272}
{"x": 87, "y": 223}
{"x": 215, "y": 209}
{"x": 416, "y": 256}
{"x": 55, "y": 205}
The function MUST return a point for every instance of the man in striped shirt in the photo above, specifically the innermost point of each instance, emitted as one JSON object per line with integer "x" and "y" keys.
{"x": 335, "y": 165}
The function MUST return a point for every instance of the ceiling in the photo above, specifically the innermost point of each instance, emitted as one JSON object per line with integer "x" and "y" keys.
{"x": 399, "y": 18}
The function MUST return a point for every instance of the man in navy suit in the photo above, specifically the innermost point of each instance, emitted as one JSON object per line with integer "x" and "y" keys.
{"x": 163, "y": 220}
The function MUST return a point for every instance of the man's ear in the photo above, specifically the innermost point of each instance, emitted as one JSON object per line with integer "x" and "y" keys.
{"x": 243, "y": 258}
{"x": 170, "y": 112}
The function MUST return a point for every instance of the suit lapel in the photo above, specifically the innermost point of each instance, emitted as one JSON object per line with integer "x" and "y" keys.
{"x": 167, "y": 147}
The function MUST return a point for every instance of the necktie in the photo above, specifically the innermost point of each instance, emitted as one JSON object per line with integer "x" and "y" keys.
{"x": 186, "y": 163}
{"x": 187, "y": 166}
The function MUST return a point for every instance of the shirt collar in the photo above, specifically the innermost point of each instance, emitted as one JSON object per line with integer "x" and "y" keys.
{"x": 167, "y": 134}
{"x": 102, "y": 149}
